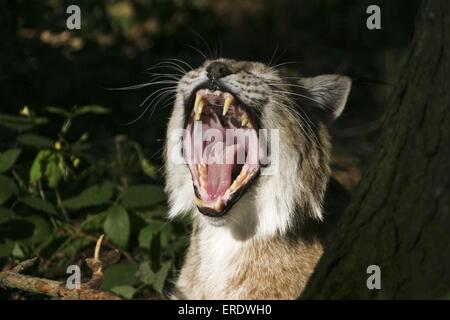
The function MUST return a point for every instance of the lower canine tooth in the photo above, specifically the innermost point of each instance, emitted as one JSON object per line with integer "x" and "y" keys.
{"x": 198, "y": 202}
{"x": 219, "y": 204}
{"x": 226, "y": 104}
{"x": 233, "y": 186}
{"x": 243, "y": 175}
{"x": 202, "y": 169}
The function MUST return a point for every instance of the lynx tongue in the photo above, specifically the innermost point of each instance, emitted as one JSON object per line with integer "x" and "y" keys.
{"x": 220, "y": 160}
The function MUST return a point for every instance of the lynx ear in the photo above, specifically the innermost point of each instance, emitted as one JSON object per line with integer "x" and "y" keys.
{"x": 329, "y": 92}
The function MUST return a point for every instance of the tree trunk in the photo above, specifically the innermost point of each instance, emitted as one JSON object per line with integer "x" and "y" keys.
{"x": 399, "y": 218}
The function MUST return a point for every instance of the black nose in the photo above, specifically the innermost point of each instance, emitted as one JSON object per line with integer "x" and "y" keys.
{"x": 217, "y": 70}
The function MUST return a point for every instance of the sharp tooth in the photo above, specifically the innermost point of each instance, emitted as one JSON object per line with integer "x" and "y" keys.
{"x": 219, "y": 204}
{"x": 198, "y": 110}
{"x": 198, "y": 98}
{"x": 244, "y": 120}
{"x": 226, "y": 104}
{"x": 242, "y": 175}
{"x": 202, "y": 169}
{"x": 198, "y": 202}
{"x": 202, "y": 182}
{"x": 233, "y": 186}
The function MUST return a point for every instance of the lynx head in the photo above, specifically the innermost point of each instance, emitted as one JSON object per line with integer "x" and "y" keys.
{"x": 261, "y": 165}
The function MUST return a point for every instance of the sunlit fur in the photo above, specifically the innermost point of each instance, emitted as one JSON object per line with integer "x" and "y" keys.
{"x": 275, "y": 206}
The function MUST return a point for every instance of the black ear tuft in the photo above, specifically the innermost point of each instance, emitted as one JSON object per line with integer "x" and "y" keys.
{"x": 328, "y": 92}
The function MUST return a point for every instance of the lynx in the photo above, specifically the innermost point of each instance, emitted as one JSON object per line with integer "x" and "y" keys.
{"x": 254, "y": 235}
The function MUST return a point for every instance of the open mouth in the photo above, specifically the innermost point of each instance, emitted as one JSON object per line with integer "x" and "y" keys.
{"x": 222, "y": 138}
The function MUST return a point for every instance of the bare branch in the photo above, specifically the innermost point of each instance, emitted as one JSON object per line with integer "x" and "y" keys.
{"x": 87, "y": 291}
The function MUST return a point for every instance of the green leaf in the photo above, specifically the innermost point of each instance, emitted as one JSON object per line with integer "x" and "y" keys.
{"x": 148, "y": 168}
{"x": 154, "y": 227}
{"x": 93, "y": 196}
{"x": 17, "y": 251}
{"x": 146, "y": 274}
{"x": 48, "y": 163}
{"x": 54, "y": 170}
{"x": 35, "y": 140}
{"x": 123, "y": 274}
{"x": 161, "y": 277}
{"x": 96, "y": 109}
{"x": 7, "y": 188}
{"x": 94, "y": 222}
{"x": 39, "y": 163}
{"x": 126, "y": 292}
{"x": 142, "y": 196}
{"x": 72, "y": 246}
{"x": 39, "y": 204}
{"x": 6, "y": 215}
{"x": 117, "y": 225}
{"x": 56, "y": 110}
{"x": 20, "y": 123}
{"x": 42, "y": 231}
{"x": 146, "y": 235}
{"x": 8, "y": 158}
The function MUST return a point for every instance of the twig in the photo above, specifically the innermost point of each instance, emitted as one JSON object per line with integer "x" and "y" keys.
{"x": 87, "y": 291}
{"x": 22, "y": 266}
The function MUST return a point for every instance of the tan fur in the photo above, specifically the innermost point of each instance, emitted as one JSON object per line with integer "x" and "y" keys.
{"x": 276, "y": 268}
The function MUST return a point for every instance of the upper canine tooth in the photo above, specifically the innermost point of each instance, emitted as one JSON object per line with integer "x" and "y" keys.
{"x": 226, "y": 104}
{"x": 198, "y": 98}
{"x": 244, "y": 120}
{"x": 198, "y": 110}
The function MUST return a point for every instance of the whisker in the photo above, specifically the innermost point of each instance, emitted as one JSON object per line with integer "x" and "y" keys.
{"x": 138, "y": 86}
{"x": 141, "y": 115}
{"x": 167, "y": 89}
{"x": 198, "y": 51}
{"x": 305, "y": 97}
{"x": 208, "y": 48}
{"x": 167, "y": 65}
{"x": 285, "y": 63}
{"x": 181, "y": 61}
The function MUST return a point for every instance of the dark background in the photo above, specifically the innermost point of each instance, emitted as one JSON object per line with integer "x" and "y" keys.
{"x": 43, "y": 64}
{"x": 121, "y": 39}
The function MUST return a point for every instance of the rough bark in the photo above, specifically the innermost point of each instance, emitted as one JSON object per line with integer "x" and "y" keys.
{"x": 399, "y": 218}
